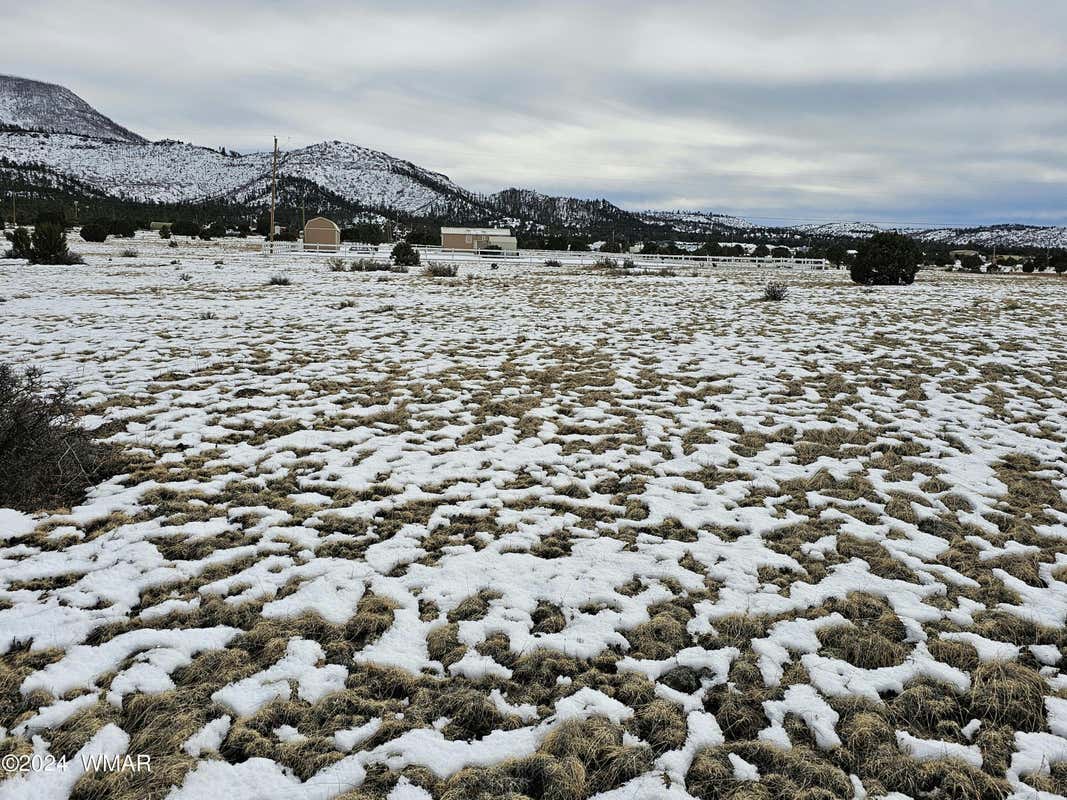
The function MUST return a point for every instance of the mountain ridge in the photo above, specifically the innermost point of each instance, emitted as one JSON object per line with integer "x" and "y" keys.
{"x": 47, "y": 130}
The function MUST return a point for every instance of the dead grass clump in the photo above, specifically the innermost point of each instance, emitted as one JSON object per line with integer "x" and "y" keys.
{"x": 383, "y": 683}
{"x": 865, "y": 732}
{"x": 997, "y": 743}
{"x": 1055, "y": 783}
{"x": 958, "y": 654}
{"x": 923, "y": 704}
{"x": 661, "y": 724}
{"x": 473, "y": 608}
{"x": 863, "y": 647}
{"x": 157, "y": 724}
{"x": 442, "y": 644}
{"x": 473, "y": 714}
{"x": 711, "y": 774}
{"x": 738, "y": 630}
{"x": 547, "y": 618}
{"x": 682, "y": 679}
{"x": 373, "y": 617}
{"x": 1009, "y": 693}
{"x": 660, "y": 637}
{"x": 740, "y": 714}
{"x": 68, "y": 738}
{"x": 879, "y": 560}
{"x": 543, "y": 667}
{"x": 596, "y": 745}
{"x": 1005, "y": 627}
{"x": 555, "y": 545}
{"x": 956, "y": 780}
{"x": 498, "y": 647}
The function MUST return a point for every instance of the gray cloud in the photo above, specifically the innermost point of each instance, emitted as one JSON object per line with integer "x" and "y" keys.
{"x": 895, "y": 112}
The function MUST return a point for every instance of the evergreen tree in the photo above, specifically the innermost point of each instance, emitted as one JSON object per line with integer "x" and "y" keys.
{"x": 48, "y": 245}
{"x": 887, "y": 259}
{"x": 20, "y": 244}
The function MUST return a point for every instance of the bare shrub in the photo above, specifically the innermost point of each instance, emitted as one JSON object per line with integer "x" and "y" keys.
{"x": 553, "y": 262}
{"x": 128, "y": 252}
{"x": 774, "y": 291}
{"x": 47, "y": 460}
{"x": 370, "y": 265}
{"x": 438, "y": 270}
{"x": 335, "y": 264}
{"x": 279, "y": 280}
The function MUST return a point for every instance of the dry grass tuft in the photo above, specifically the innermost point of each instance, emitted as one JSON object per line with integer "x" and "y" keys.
{"x": 1009, "y": 693}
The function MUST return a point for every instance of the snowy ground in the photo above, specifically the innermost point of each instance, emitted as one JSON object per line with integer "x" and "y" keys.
{"x": 541, "y": 533}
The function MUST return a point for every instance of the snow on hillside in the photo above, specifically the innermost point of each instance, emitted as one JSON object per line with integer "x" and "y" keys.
{"x": 39, "y": 106}
{"x": 568, "y": 212}
{"x": 695, "y": 221}
{"x": 176, "y": 172}
{"x": 999, "y": 235}
{"x": 857, "y": 229}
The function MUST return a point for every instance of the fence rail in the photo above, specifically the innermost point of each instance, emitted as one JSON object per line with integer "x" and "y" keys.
{"x": 534, "y": 256}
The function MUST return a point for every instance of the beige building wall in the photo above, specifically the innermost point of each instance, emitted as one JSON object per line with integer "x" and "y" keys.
{"x": 476, "y": 238}
{"x": 322, "y": 233}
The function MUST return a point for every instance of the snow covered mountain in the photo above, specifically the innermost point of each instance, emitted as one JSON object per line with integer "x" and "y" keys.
{"x": 39, "y": 106}
{"x": 50, "y": 137}
{"x": 557, "y": 212}
{"x": 174, "y": 172}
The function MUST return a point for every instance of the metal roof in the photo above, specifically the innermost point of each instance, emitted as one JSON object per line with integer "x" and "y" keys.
{"x": 479, "y": 231}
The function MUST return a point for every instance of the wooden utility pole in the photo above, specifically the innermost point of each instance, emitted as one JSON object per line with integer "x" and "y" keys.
{"x": 273, "y": 192}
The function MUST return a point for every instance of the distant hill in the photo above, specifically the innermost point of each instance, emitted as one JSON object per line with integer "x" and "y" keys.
{"x": 38, "y": 106}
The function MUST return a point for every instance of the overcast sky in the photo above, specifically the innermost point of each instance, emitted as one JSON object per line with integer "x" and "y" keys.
{"x": 944, "y": 112}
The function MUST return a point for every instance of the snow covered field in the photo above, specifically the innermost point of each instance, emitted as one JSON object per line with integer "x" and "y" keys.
{"x": 541, "y": 533}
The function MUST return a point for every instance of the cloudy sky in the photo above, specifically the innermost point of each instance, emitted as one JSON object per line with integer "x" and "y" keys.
{"x": 945, "y": 112}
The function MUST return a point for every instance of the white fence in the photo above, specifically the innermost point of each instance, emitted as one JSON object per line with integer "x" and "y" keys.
{"x": 432, "y": 252}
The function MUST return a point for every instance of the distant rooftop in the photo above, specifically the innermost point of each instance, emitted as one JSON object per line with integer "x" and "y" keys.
{"x": 479, "y": 231}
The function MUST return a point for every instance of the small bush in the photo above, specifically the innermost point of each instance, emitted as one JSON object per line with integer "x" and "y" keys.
{"x": 21, "y": 246}
{"x": 93, "y": 232}
{"x": 164, "y": 232}
{"x": 128, "y": 252}
{"x": 553, "y": 262}
{"x": 185, "y": 227}
{"x": 123, "y": 228}
{"x": 405, "y": 255}
{"x": 628, "y": 263}
{"x": 279, "y": 280}
{"x": 370, "y": 265}
{"x": 48, "y": 245}
{"x": 335, "y": 264}
{"x": 346, "y": 304}
{"x": 400, "y": 268}
{"x": 438, "y": 270}
{"x": 774, "y": 291}
{"x": 606, "y": 263}
{"x": 206, "y": 315}
{"x": 185, "y": 276}
{"x": 46, "y": 459}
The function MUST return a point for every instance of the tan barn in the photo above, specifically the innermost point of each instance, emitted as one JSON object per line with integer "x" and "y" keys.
{"x": 478, "y": 239}
{"x": 321, "y": 234}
